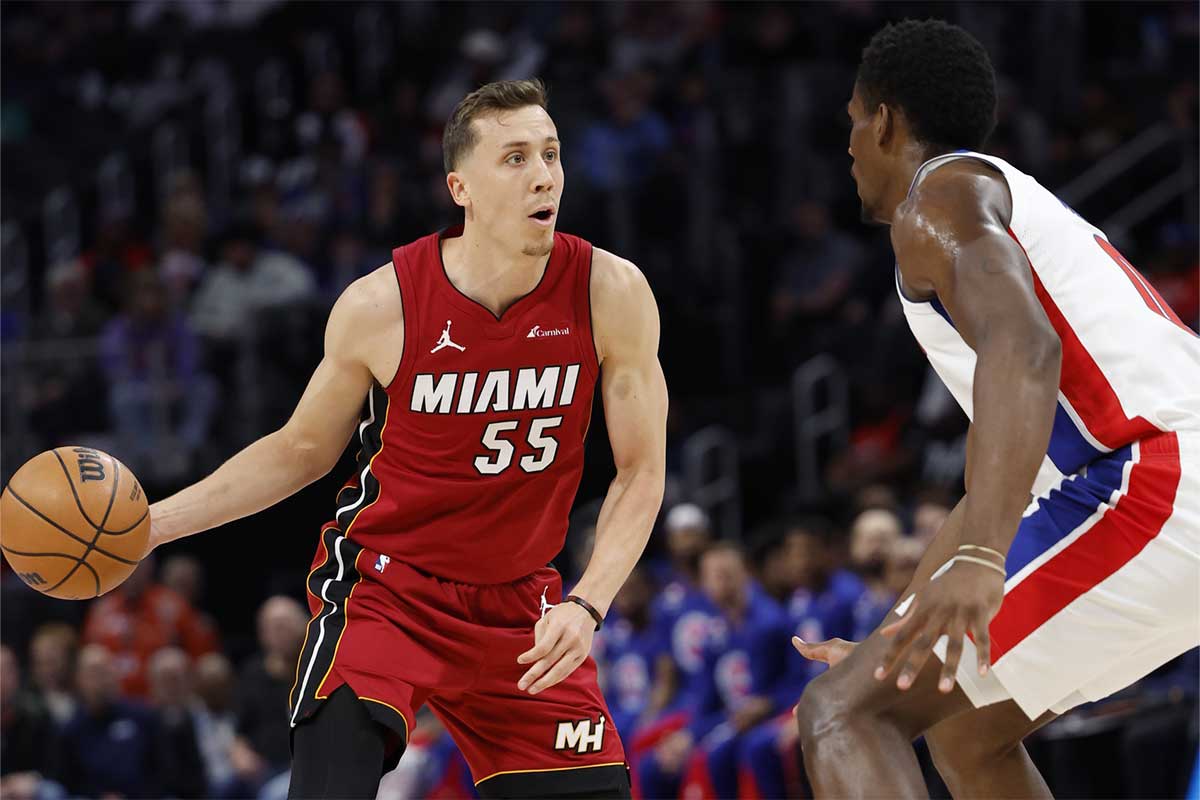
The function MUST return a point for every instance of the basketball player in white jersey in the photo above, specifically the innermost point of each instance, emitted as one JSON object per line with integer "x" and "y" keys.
{"x": 1071, "y": 567}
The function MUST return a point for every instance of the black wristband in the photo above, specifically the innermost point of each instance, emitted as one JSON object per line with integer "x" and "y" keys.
{"x": 588, "y": 607}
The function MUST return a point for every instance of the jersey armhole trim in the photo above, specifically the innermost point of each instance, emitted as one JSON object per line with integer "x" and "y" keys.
{"x": 409, "y": 311}
{"x": 591, "y": 355}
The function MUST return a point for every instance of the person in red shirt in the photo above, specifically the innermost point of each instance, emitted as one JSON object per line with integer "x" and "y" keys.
{"x": 138, "y": 618}
{"x": 476, "y": 352}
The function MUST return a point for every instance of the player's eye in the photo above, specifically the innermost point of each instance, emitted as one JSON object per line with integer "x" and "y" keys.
{"x": 551, "y": 155}
{"x": 515, "y": 158}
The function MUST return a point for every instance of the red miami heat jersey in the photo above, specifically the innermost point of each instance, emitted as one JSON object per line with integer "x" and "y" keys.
{"x": 471, "y": 456}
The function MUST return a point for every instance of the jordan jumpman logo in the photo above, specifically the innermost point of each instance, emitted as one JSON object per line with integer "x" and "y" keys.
{"x": 446, "y": 342}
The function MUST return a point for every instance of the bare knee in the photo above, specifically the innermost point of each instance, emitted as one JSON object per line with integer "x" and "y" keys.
{"x": 822, "y": 709}
{"x": 959, "y": 746}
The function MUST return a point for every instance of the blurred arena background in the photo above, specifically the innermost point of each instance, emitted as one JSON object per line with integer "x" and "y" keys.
{"x": 187, "y": 186}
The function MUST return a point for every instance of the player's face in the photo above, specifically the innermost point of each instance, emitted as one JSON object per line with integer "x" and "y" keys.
{"x": 864, "y": 155}
{"x": 512, "y": 180}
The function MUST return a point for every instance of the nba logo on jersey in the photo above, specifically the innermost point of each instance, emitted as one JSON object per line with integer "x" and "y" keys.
{"x": 381, "y": 563}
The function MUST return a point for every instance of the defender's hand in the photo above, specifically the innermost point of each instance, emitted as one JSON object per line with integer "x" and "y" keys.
{"x": 963, "y": 600}
{"x": 562, "y": 639}
{"x": 830, "y": 651}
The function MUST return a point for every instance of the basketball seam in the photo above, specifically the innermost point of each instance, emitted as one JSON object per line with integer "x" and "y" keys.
{"x": 74, "y": 493}
{"x": 99, "y": 528}
{"x": 72, "y": 535}
{"x": 78, "y": 562}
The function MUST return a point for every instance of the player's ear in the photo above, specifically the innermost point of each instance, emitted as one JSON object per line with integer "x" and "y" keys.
{"x": 885, "y": 122}
{"x": 458, "y": 189}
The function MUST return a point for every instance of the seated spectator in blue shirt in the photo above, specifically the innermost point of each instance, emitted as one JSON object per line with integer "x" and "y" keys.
{"x": 822, "y": 605}
{"x": 635, "y": 668}
{"x": 681, "y": 612}
{"x": 872, "y": 537}
{"x": 742, "y": 664}
{"x": 111, "y": 746}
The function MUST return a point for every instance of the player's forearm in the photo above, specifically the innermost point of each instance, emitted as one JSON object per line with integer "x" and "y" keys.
{"x": 1016, "y": 389}
{"x": 626, "y": 519}
{"x": 259, "y": 476}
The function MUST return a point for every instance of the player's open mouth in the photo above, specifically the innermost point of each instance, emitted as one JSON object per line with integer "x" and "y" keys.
{"x": 543, "y": 216}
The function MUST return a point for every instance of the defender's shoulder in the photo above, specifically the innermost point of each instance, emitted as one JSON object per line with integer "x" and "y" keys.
{"x": 951, "y": 202}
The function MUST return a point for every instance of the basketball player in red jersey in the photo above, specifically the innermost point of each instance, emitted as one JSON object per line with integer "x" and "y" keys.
{"x": 476, "y": 351}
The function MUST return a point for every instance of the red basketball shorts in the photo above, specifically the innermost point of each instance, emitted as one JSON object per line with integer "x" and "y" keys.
{"x": 400, "y": 638}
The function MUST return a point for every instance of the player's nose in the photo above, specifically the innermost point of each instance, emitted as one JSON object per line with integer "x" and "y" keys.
{"x": 543, "y": 178}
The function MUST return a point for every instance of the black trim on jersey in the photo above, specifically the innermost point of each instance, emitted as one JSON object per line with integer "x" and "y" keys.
{"x": 326, "y": 628}
{"x": 371, "y": 437}
{"x": 591, "y": 316}
{"x": 457, "y": 230}
{"x": 610, "y": 780}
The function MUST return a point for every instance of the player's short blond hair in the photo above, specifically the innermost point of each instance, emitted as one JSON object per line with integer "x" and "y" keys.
{"x": 459, "y": 136}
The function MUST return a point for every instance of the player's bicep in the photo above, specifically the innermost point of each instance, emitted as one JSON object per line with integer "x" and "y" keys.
{"x": 992, "y": 292}
{"x": 633, "y": 386}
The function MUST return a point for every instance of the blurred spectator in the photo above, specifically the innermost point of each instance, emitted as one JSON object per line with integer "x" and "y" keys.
{"x": 115, "y": 257}
{"x": 902, "y": 563}
{"x": 638, "y": 678}
{"x": 689, "y": 532}
{"x": 111, "y": 746}
{"x": 156, "y": 389}
{"x": 745, "y": 676}
{"x": 185, "y": 225}
{"x": 171, "y": 696}
{"x": 245, "y": 281}
{"x": 815, "y": 278}
{"x": 28, "y": 747}
{"x": 930, "y": 514}
{"x": 216, "y": 723}
{"x": 137, "y": 619}
{"x": 66, "y": 381}
{"x": 184, "y": 575}
{"x": 262, "y": 749}
{"x": 682, "y": 612}
{"x": 52, "y": 668}
{"x": 620, "y": 149}
{"x": 771, "y": 570}
{"x": 821, "y": 606}
{"x": 872, "y": 537}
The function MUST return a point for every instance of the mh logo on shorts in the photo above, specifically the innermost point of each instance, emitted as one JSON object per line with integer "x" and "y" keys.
{"x": 580, "y": 736}
{"x": 382, "y": 562}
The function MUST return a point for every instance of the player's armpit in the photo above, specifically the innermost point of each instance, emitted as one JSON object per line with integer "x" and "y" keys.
{"x": 363, "y": 343}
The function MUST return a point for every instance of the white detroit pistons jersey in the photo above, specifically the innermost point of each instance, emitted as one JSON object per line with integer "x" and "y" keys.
{"x": 1130, "y": 367}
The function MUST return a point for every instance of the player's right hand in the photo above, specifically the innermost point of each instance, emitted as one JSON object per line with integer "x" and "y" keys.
{"x": 830, "y": 651}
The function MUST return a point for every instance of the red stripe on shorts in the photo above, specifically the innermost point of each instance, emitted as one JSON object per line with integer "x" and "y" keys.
{"x": 1118, "y": 536}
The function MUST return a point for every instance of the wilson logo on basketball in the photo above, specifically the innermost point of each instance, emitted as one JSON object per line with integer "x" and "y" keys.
{"x": 91, "y": 468}
{"x": 32, "y": 578}
{"x": 538, "y": 332}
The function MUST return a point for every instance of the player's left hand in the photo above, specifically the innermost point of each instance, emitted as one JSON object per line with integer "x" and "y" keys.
{"x": 962, "y": 600}
{"x": 562, "y": 639}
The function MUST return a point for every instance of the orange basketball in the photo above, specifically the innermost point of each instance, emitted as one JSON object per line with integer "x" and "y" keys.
{"x": 73, "y": 522}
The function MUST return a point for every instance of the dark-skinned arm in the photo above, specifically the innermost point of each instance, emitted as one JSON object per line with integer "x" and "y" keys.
{"x": 951, "y": 240}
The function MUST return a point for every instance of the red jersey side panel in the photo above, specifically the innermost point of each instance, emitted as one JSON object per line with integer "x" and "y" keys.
{"x": 472, "y": 455}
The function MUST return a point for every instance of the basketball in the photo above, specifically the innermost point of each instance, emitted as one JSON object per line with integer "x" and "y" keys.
{"x": 74, "y": 522}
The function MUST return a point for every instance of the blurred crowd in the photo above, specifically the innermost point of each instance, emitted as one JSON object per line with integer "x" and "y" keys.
{"x": 188, "y": 186}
